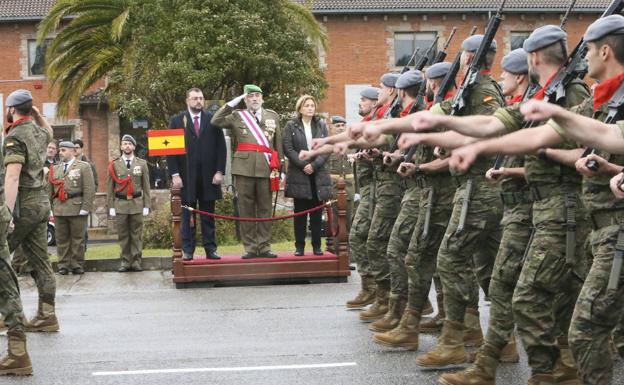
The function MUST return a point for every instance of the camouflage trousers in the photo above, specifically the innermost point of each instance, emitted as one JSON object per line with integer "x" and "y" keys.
{"x": 31, "y": 233}
{"x": 422, "y": 252}
{"x": 597, "y": 312}
{"x": 400, "y": 240}
{"x": 548, "y": 284}
{"x": 10, "y": 302}
{"x": 384, "y": 215}
{"x": 359, "y": 232}
{"x": 516, "y": 226}
{"x": 471, "y": 252}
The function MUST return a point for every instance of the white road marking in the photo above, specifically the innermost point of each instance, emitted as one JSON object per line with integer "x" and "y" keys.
{"x": 226, "y": 369}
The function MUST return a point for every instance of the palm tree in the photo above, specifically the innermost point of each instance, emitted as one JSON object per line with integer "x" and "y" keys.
{"x": 91, "y": 44}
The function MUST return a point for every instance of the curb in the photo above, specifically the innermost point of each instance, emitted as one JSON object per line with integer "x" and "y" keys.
{"x": 108, "y": 265}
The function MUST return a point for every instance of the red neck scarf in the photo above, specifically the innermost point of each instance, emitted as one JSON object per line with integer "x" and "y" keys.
{"x": 123, "y": 183}
{"x": 407, "y": 110}
{"x": 382, "y": 110}
{"x": 514, "y": 100}
{"x": 430, "y": 103}
{"x": 539, "y": 95}
{"x": 15, "y": 123}
{"x": 58, "y": 183}
{"x": 605, "y": 90}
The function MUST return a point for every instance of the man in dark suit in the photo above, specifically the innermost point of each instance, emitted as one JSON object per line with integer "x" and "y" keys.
{"x": 199, "y": 172}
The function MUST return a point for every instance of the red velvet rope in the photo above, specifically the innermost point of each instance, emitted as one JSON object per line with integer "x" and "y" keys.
{"x": 247, "y": 219}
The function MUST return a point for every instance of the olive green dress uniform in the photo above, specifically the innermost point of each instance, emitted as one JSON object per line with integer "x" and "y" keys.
{"x": 129, "y": 212}
{"x": 10, "y": 302}
{"x": 462, "y": 255}
{"x": 548, "y": 285}
{"x": 26, "y": 144}
{"x": 80, "y": 191}
{"x": 251, "y": 174}
{"x": 598, "y": 309}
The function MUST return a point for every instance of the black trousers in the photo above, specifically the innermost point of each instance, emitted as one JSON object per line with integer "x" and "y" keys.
{"x": 300, "y": 222}
{"x": 206, "y": 223}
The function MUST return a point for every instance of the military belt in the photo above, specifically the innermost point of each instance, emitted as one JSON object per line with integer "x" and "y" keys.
{"x": 604, "y": 218}
{"x": 73, "y": 195}
{"x": 125, "y": 197}
{"x": 512, "y": 198}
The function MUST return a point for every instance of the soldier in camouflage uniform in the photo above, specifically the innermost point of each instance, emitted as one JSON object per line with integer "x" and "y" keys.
{"x": 17, "y": 360}
{"x": 24, "y": 156}
{"x": 389, "y": 188}
{"x": 409, "y": 85}
{"x": 551, "y": 277}
{"x": 470, "y": 251}
{"x": 599, "y": 307}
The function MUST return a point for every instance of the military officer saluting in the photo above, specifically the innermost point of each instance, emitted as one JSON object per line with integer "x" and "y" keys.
{"x": 256, "y": 152}
{"x": 128, "y": 191}
{"x": 73, "y": 196}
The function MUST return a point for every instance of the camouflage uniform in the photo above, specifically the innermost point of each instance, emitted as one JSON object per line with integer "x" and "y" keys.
{"x": 598, "y": 310}
{"x": 464, "y": 254}
{"x": 26, "y": 144}
{"x": 361, "y": 221}
{"x": 548, "y": 284}
{"x": 341, "y": 167}
{"x": 10, "y": 302}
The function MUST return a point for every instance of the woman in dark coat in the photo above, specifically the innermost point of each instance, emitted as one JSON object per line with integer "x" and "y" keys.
{"x": 307, "y": 181}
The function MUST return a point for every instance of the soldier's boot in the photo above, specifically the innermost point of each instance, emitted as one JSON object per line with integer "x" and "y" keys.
{"x": 473, "y": 336}
{"x": 428, "y": 308}
{"x": 405, "y": 335}
{"x": 449, "y": 351}
{"x": 16, "y": 361}
{"x": 434, "y": 325}
{"x": 379, "y": 307}
{"x": 366, "y": 296}
{"x": 541, "y": 379}
{"x": 482, "y": 372}
{"x": 390, "y": 320}
{"x": 509, "y": 354}
{"x": 564, "y": 371}
{"x": 45, "y": 320}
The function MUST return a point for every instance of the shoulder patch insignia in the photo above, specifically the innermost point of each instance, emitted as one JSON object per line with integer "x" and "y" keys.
{"x": 488, "y": 99}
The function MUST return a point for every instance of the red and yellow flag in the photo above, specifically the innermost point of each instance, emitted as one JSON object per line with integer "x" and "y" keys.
{"x": 166, "y": 142}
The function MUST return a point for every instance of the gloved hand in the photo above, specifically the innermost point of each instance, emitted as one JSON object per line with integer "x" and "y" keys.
{"x": 356, "y": 197}
{"x": 145, "y": 211}
{"x": 83, "y": 213}
{"x": 112, "y": 212}
{"x": 234, "y": 102}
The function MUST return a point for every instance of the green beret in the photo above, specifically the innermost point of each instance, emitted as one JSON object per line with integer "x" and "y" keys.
{"x": 249, "y": 88}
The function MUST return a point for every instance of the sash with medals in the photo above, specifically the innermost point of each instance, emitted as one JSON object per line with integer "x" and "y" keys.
{"x": 262, "y": 145}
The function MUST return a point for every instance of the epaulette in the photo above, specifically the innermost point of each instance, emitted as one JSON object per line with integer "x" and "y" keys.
{"x": 267, "y": 110}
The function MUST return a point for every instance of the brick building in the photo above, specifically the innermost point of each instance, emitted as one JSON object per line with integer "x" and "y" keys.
{"x": 368, "y": 38}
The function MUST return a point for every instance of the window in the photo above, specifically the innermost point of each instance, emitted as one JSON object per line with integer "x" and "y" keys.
{"x": 36, "y": 57}
{"x": 405, "y": 43}
{"x": 518, "y": 38}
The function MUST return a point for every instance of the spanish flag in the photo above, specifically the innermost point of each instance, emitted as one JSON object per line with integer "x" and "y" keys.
{"x": 166, "y": 142}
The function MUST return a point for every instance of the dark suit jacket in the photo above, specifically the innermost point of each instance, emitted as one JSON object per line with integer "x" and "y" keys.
{"x": 297, "y": 182}
{"x": 204, "y": 157}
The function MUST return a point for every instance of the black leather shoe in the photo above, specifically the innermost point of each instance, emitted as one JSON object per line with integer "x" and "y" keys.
{"x": 249, "y": 255}
{"x": 63, "y": 271}
{"x": 187, "y": 256}
{"x": 267, "y": 254}
{"x": 123, "y": 269}
{"x": 78, "y": 271}
{"x": 299, "y": 253}
{"x": 212, "y": 255}
{"x": 317, "y": 251}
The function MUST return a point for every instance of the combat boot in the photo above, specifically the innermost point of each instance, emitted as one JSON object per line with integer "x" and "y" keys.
{"x": 16, "y": 361}
{"x": 541, "y": 379}
{"x": 509, "y": 354}
{"x": 473, "y": 336}
{"x": 405, "y": 335}
{"x": 434, "y": 325}
{"x": 45, "y": 320}
{"x": 449, "y": 351}
{"x": 379, "y": 307}
{"x": 482, "y": 372}
{"x": 564, "y": 371}
{"x": 366, "y": 296}
{"x": 390, "y": 320}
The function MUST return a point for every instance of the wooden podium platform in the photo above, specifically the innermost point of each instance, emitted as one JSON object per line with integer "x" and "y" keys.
{"x": 333, "y": 266}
